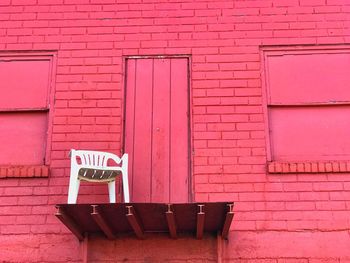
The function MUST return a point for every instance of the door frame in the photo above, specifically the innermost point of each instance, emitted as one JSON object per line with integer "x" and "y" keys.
{"x": 189, "y": 108}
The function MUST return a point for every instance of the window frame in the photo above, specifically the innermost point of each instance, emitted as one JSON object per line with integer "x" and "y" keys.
{"x": 300, "y": 166}
{"x": 40, "y": 170}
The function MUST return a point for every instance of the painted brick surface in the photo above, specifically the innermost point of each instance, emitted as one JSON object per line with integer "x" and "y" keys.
{"x": 289, "y": 217}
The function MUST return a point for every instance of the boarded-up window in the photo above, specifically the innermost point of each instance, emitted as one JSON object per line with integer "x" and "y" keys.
{"x": 156, "y": 129}
{"x": 24, "y": 107}
{"x": 308, "y": 100}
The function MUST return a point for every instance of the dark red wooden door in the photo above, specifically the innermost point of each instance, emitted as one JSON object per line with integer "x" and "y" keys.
{"x": 157, "y": 129}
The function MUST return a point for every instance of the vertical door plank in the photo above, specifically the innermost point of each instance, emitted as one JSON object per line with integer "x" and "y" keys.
{"x": 129, "y": 117}
{"x": 161, "y": 131}
{"x": 142, "y": 152}
{"x": 179, "y": 153}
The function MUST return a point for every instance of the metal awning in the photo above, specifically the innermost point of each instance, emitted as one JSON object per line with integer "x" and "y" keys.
{"x": 115, "y": 220}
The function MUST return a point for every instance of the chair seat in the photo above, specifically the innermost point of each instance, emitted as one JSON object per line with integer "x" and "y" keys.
{"x": 107, "y": 174}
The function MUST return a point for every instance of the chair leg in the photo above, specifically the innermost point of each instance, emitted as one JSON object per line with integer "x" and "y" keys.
{"x": 125, "y": 178}
{"x": 73, "y": 190}
{"x": 126, "y": 187}
{"x": 111, "y": 191}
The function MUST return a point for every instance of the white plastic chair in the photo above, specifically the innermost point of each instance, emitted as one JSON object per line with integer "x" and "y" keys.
{"x": 93, "y": 168}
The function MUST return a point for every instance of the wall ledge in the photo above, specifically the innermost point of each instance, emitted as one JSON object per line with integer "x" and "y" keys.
{"x": 24, "y": 171}
{"x": 276, "y": 167}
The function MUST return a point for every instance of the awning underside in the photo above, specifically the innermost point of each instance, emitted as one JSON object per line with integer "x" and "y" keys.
{"x": 141, "y": 218}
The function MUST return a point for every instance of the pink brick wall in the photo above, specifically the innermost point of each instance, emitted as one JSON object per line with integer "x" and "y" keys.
{"x": 279, "y": 218}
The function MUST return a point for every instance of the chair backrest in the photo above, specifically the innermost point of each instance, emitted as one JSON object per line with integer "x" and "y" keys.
{"x": 93, "y": 159}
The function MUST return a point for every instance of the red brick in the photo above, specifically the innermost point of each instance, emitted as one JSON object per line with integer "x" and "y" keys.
{"x": 339, "y": 196}
{"x": 221, "y": 126}
{"x": 250, "y": 126}
{"x": 236, "y": 188}
{"x": 18, "y": 191}
{"x": 245, "y": 225}
{"x": 301, "y": 225}
{"x": 222, "y": 160}
{"x": 209, "y": 188}
{"x": 251, "y": 160}
{"x": 328, "y": 186}
{"x": 298, "y": 187}
{"x": 312, "y": 2}
{"x": 15, "y": 229}
{"x": 30, "y": 220}
{"x": 236, "y": 152}
{"x": 208, "y": 152}
{"x": 327, "y": 225}
{"x": 300, "y": 206}
{"x": 221, "y": 144}
{"x": 251, "y": 143}
{"x": 15, "y": 210}
{"x": 237, "y": 169}
{"x": 314, "y": 196}
{"x": 335, "y": 205}
{"x": 38, "y": 200}
{"x": 271, "y": 225}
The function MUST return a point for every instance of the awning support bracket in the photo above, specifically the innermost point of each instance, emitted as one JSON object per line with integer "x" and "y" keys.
{"x": 200, "y": 222}
{"x": 69, "y": 223}
{"x": 134, "y": 222}
{"x": 101, "y": 222}
{"x": 170, "y": 218}
{"x": 227, "y": 223}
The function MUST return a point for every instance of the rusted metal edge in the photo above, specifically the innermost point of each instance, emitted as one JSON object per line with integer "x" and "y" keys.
{"x": 170, "y": 218}
{"x": 69, "y": 223}
{"x": 228, "y": 221}
{"x": 134, "y": 222}
{"x": 200, "y": 222}
{"x": 101, "y": 222}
